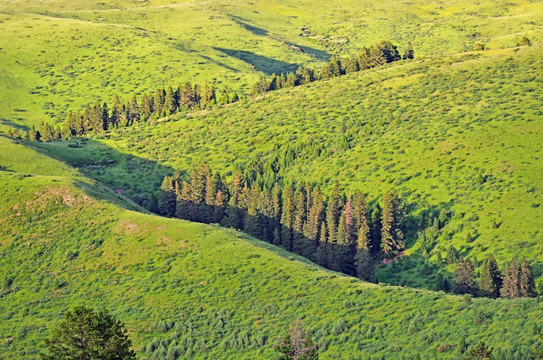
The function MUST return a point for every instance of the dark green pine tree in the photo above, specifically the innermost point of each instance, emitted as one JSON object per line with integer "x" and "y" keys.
{"x": 105, "y": 117}
{"x": 315, "y": 217}
{"x": 158, "y": 102}
{"x": 361, "y": 222}
{"x": 326, "y": 72}
{"x": 341, "y": 249}
{"x": 277, "y": 209}
{"x": 89, "y": 335}
{"x": 392, "y": 240}
{"x": 300, "y": 213}
{"x": 146, "y": 107}
{"x": 490, "y": 280}
{"x": 252, "y": 222}
{"x": 452, "y": 255}
{"x": 442, "y": 283}
{"x": 167, "y": 197}
{"x": 464, "y": 278}
{"x": 510, "y": 287}
{"x": 116, "y": 112}
{"x": 323, "y": 254}
{"x": 287, "y": 217}
{"x": 95, "y": 118}
{"x": 375, "y": 231}
{"x": 133, "y": 111}
{"x": 364, "y": 264}
{"x": 170, "y": 105}
{"x": 333, "y": 212}
{"x": 336, "y": 69}
{"x": 351, "y": 65}
{"x": 526, "y": 280}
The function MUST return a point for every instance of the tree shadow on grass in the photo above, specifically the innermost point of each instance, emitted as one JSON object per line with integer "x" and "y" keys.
{"x": 126, "y": 175}
{"x": 260, "y": 63}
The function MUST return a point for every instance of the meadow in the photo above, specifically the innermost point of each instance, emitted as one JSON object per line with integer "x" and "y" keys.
{"x": 192, "y": 290}
{"x": 60, "y": 55}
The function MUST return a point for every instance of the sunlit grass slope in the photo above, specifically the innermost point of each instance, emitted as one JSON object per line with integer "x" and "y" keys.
{"x": 461, "y": 134}
{"x": 204, "y": 292}
{"x": 57, "y": 56}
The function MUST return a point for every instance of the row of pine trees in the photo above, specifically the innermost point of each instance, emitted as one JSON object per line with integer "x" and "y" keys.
{"x": 340, "y": 233}
{"x": 517, "y": 280}
{"x": 380, "y": 54}
{"x": 96, "y": 118}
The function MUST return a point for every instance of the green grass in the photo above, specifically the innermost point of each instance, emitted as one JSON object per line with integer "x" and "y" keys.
{"x": 222, "y": 294}
{"x": 59, "y": 56}
{"x": 430, "y": 129}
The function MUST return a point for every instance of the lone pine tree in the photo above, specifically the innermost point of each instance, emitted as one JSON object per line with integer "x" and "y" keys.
{"x": 89, "y": 335}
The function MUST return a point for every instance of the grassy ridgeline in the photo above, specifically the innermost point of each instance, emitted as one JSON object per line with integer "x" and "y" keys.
{"x": 210, "y": 292}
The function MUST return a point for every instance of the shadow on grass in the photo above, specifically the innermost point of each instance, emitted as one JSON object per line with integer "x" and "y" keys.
{"x": 260, "y": 63}
{"x": 128, "y": 176}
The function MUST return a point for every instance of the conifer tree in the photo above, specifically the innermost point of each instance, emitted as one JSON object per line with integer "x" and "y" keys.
{"x": 526, "y": 280}
{"x": 392, "y": 241}
{"x": 133, "y": 111}
{"x": 341, "y": 252}
{"x": 316, "y": 215}
{"x": 364, "y": 264}
{"x": 116, "y": 112}
{"x": 105, "y": 117}
{"x": 479, "y": 352}
{"x": 336, "y": 69}
{"x": 333, "y": 213}
{"x": 300, "y": 213}
{"x": 490, "y": 279}
{"x": 464, "y": 277}
{"x": 277, "y": 209}
{"x": 287, "y": 217}
{"x": 158, "y": 102}
{"x": 167, "y": 197}
{"x": 169, "y": 101}
{"x": 86, "y": 334}
{"x": 251, "y": 223}
{"x": 452, "y": 255}
{"x": 322, "y": 253}
{"x": 375, "y": 230}
{"x": 510, "y": 287}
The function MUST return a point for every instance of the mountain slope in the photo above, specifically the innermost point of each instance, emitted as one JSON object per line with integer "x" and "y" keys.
{"x": 203, "y": 292}
{"x": 459, "y": 134}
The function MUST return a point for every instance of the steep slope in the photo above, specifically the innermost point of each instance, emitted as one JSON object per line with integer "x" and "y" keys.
{"x": 460, "y": 134}
{"x": 192, "y": 290}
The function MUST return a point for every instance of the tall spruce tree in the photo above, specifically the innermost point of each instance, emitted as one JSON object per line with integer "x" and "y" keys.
{"x": 464, "y": 278}
{"x": 297, "y": 344}
{"x": 490, "y": 280}
{"x": 526, "y": 280}
{"x": 510, "y": 287}
{"x": 333, "y": 211}
{"x": 375, "y": 230}
{"x": 167, "y": 197}
{"x": 287, "y": 217}
{"x": 392, "y": 240}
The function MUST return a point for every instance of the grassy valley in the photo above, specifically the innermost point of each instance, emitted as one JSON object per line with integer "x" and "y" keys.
{"x": 456, "y": 131}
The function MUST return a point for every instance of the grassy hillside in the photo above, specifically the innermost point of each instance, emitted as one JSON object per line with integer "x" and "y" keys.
{"x": 60, "y": 55}
{"x": 460, "y": 133}
{"x": 206, "y": 292}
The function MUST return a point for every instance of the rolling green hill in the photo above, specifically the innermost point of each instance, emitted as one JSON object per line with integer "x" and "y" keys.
{"x": 204, "y": 292}
{"x": 444, "y": 132}
{"x": 455, "y": 131}
{"x": 60, "y": 55}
